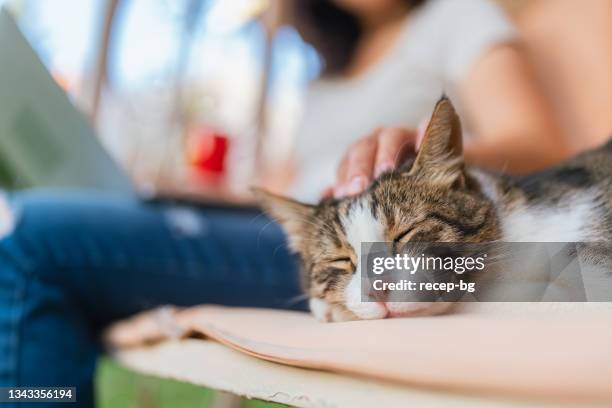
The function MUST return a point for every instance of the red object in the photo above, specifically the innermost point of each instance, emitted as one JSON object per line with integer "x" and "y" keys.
{"x": 207, "y": 150}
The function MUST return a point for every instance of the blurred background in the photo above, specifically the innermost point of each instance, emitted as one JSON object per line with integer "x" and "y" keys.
{"x": 206, "y": 95}
{"x": 183, "y": 93}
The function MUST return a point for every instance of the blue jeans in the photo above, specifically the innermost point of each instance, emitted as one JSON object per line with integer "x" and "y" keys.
{"x": 75, "y": 262}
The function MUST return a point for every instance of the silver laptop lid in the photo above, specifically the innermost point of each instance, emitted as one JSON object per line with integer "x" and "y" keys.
{"x": 44, "y": 140}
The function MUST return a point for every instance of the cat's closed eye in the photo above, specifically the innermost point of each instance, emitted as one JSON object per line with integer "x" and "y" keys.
{"x": 411, "y": 232}
{"x": 417, "y": 233}
{"x": 344, "y": 263}
{"x": 402, "y": 235}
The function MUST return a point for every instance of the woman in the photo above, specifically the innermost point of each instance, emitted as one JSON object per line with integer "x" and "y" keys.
{"x": 386, "y": 64}
{"x": 71, "y": 263}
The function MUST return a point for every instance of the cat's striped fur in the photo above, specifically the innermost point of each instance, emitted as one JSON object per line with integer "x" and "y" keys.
{"x": 435, "y": 198}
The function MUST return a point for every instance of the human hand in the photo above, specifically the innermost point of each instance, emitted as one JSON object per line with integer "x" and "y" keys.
{"x": 367, "y": 158}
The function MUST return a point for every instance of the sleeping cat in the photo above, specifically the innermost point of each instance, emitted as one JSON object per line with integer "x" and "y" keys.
{"x": 436, "y": 198}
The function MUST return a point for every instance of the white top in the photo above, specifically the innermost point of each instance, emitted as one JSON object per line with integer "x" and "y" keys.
{"x": 436, "y": 48}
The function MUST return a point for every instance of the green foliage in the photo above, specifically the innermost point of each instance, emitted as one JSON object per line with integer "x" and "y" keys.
{"x": 118, "y": 387}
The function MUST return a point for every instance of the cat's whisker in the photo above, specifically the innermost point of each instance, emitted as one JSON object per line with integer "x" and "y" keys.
{"x": 296, "y": 299}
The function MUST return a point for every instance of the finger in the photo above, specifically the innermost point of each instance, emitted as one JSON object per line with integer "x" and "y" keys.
{"x": 342, "y": 170}
{"x": 339, "y": 191}
{"x": 328, "y": 192}
{"x": 338, "y": 188}
{"x": 360, "y": 166}
{"x": 392, "y": 142}
{"x": 342, "y": 173}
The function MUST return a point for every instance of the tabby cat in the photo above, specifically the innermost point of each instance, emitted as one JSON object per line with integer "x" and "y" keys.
{"x": 435, "y": 197}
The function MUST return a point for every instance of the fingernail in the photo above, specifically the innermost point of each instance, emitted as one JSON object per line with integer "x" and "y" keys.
{"x": 382, "y": 168}
{"x": 357, "y": 185}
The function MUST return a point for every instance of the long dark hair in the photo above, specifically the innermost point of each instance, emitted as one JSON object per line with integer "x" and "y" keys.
{"x": 331, "y": 30}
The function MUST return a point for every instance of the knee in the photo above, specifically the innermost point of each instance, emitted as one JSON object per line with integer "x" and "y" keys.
{"x": 13, "y": 256}
{"x": 24, "y": 239}
{"x": 51, "y": 234}
{"x": 8, "y": 217}
{"x": 14, "y": 264}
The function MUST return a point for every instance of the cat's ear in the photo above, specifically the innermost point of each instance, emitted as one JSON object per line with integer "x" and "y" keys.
{"x": 292, "y": 215}
{"x": 440, "y": 157}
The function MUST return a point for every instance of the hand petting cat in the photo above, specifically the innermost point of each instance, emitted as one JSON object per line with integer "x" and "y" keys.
{"x": 370, "y": 156}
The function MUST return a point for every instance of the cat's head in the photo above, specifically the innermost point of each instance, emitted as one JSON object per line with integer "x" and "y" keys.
{"x": 430, "y": 199}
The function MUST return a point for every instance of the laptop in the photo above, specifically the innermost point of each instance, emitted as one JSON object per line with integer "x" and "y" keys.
{"x": 44, "y": 140}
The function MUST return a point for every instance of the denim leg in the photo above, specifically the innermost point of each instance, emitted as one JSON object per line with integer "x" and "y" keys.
{"x": 78, "y": 261}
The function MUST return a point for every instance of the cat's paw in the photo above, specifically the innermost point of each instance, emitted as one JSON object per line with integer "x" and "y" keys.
{"x": 320, "y": 309}
{"x": 342, "y": 314}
